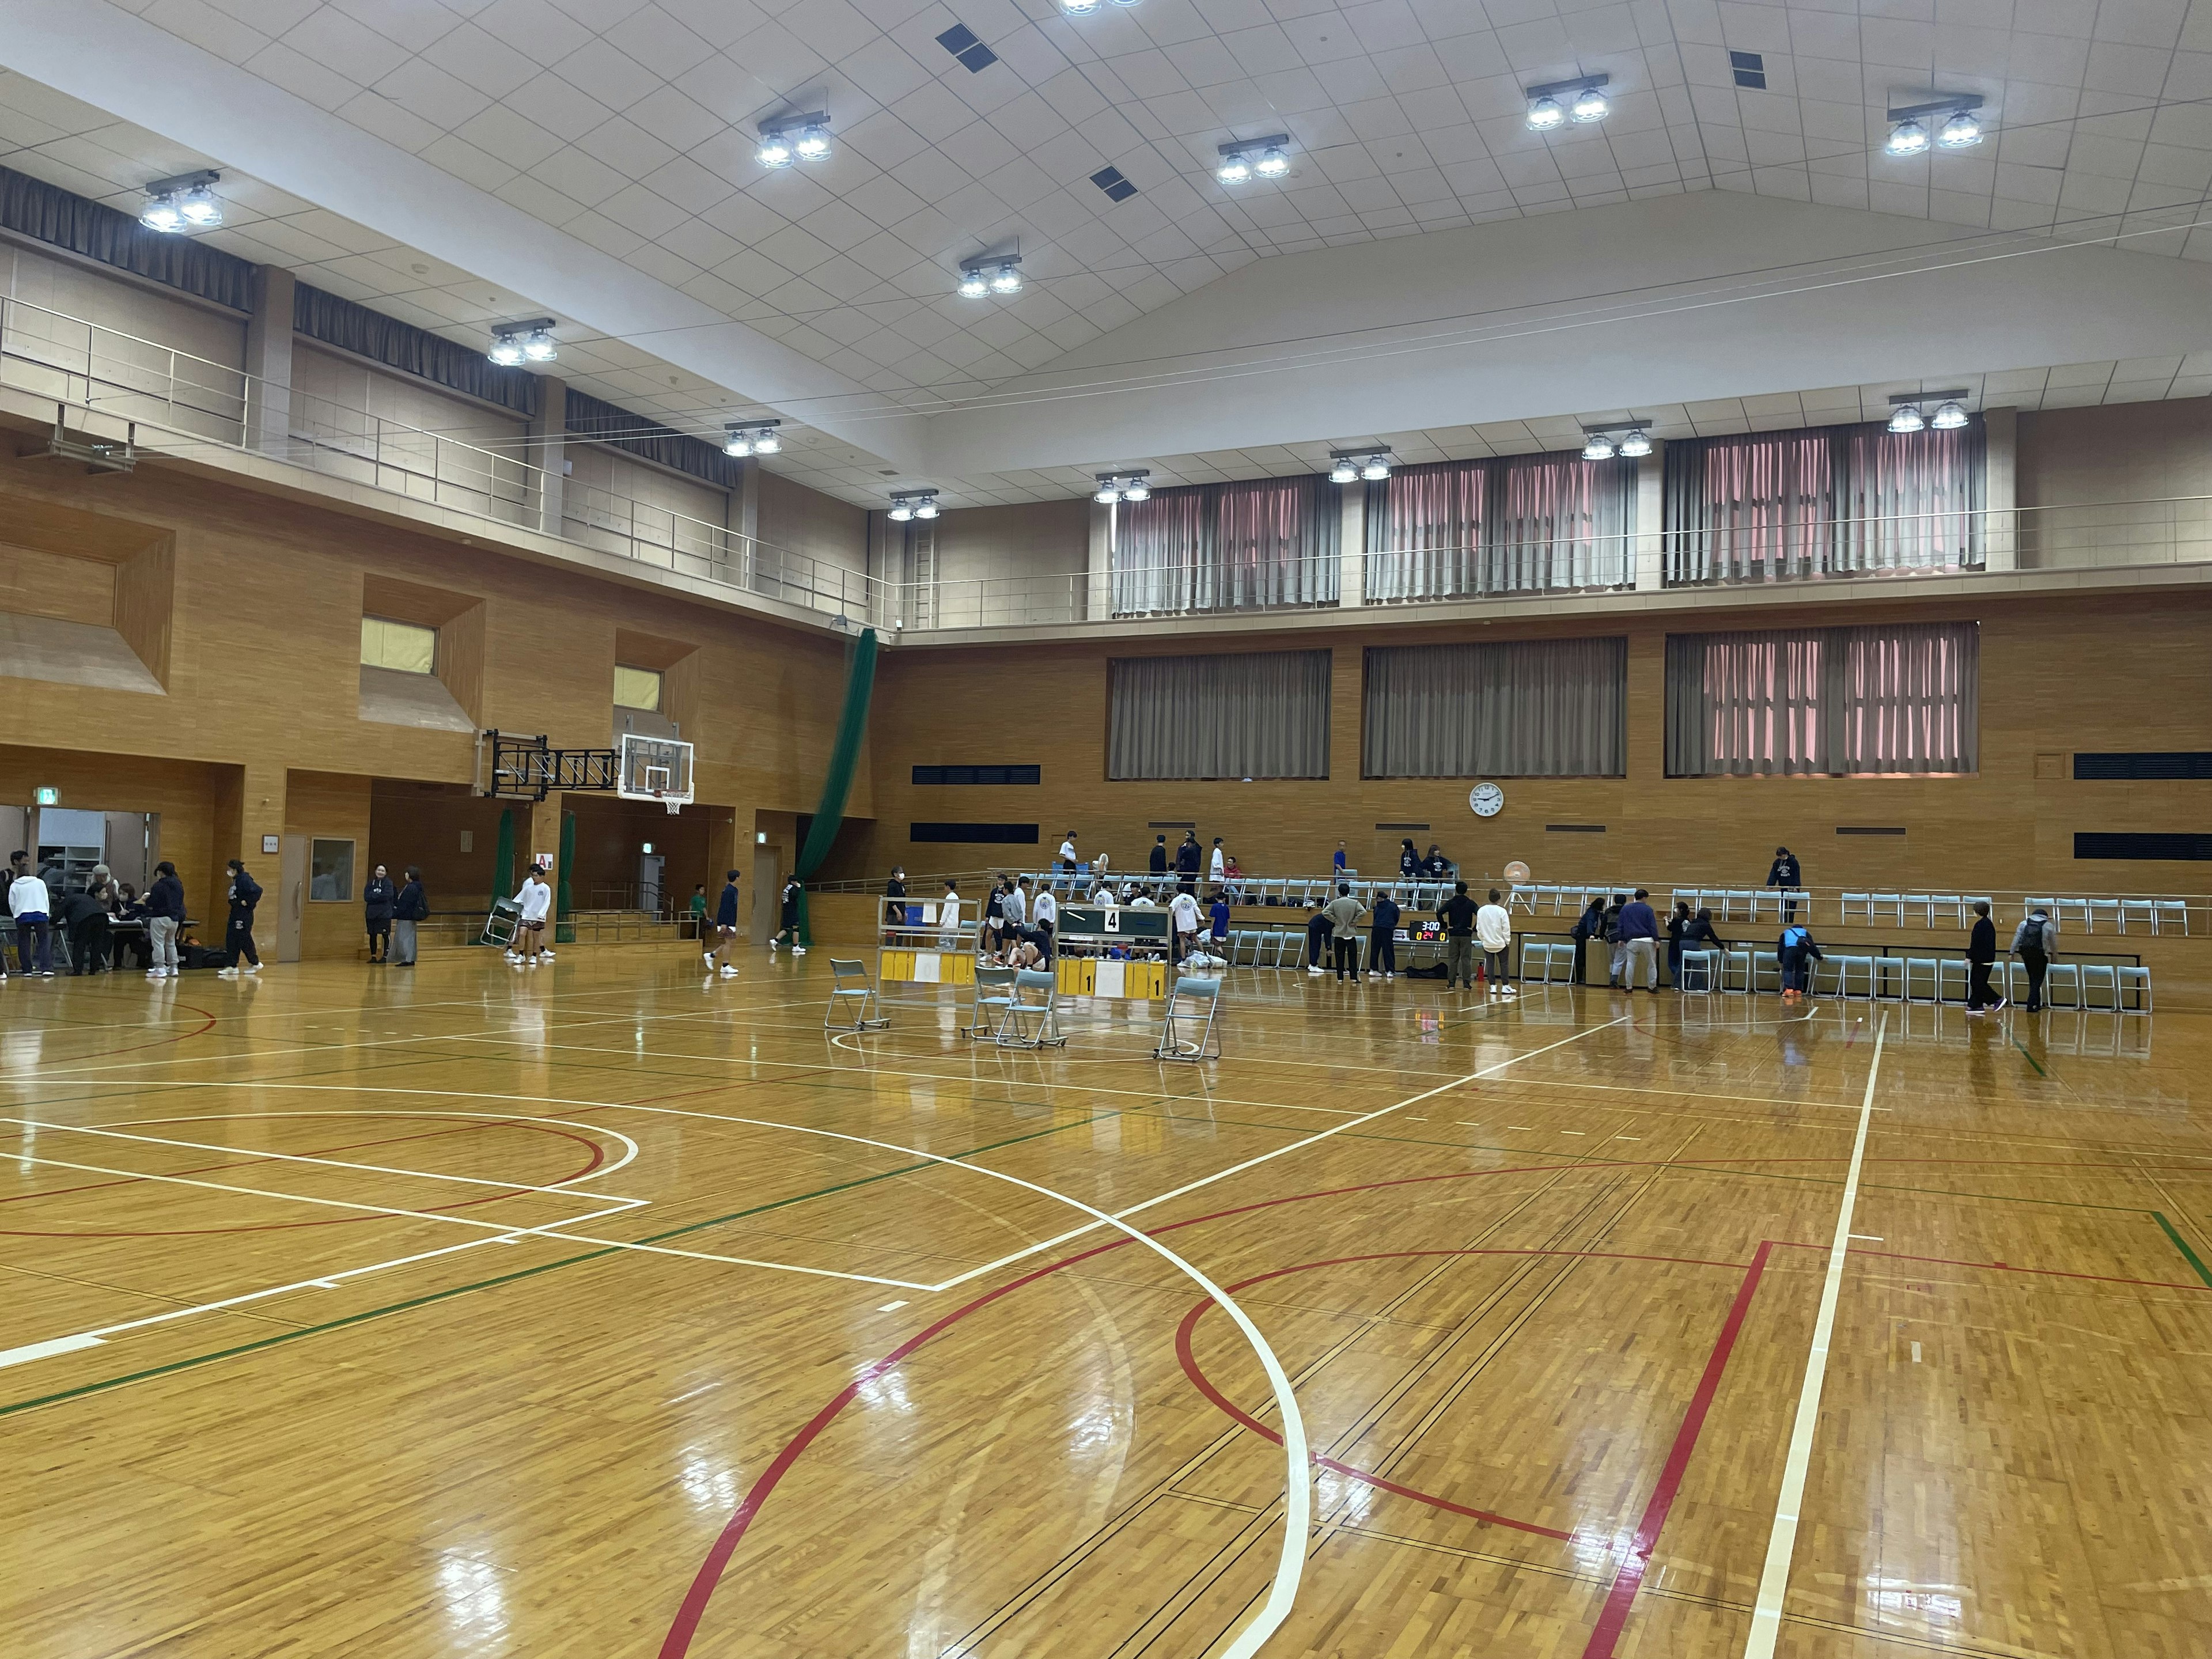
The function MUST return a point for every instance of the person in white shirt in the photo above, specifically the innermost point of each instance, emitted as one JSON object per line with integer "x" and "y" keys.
{"x": 1067, "y": 852}
{"x": 1493, "y": 927}
{"x": 1044, "y": 918}
{"x": 536, "y": 899}
{"x": 31, "y": 905}
{"x": 1183, "y": 919}
{"x": 948, "y": 918}
{"x": 1219, "y": 863}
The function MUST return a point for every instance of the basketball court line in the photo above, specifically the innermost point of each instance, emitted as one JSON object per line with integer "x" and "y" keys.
{"x": 1781, "y": 1542}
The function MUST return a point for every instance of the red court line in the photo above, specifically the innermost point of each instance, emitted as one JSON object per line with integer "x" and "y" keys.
{"x": 1630, "y": 1577}
{"x": 1229, "y": 1408}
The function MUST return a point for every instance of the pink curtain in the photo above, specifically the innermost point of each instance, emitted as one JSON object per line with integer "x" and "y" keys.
{"x": 1524, "y": 523}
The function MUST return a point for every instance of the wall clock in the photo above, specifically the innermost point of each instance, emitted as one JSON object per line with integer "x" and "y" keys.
{"x": 1488, "y": 800}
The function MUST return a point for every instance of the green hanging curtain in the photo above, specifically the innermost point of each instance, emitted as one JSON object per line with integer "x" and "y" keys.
{"x": 844, "y": 758}
{"x": 564, "y": 930}
{"x": 502, "y": 858}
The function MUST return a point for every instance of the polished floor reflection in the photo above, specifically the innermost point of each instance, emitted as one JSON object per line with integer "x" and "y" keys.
{"x": 592, "y": 1310}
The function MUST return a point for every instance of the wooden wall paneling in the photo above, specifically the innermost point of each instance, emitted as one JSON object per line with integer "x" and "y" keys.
{"x": 55, "y": 585}
{"x": 145, "y": 603}
{"x": 328, "y": 805}
{"x": 422, "y": 825}
{"x": 184, "y": 792}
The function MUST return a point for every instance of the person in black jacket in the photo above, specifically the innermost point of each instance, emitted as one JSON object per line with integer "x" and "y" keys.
{"x": 408, "y": 909}
{"x": 238, "y": 933}
{"x": 84, "y": 917}
{"x": 165, "y": 920}
{"x": 1457, "y": 915}
{"x": 1784, "y": 874}
{"x": 1409, "y": 861}
{"x": 1185, "y": 861}
{"x": 1319, "y": 926}
{"x": 1981, "y": 957}
{"x": 1159, "y": 855}
{"x": 377, "y": 899}
{"x": 1591, "y": 925}
{"x": 1382, "y": 947}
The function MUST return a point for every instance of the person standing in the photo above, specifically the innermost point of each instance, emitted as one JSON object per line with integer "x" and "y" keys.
{"x": 1318, "y": 928}
{"x": 787, "y": 917}
{"x": 1344, "y": 930}
{"x": 699, "y": 909}
{"x": 238, "y": 931}
{"x": 1159, "y": 868}
{"x": 1639, "y": 936}
{"x": 1044, "y": 922}
{"x": 410, "y": 907}
{"x": 1981, "y": 957}
{"x": 1067, "y": 851}
{"x": 1383, "y": 937}
{"x": 1591, "y": 925}
{"x": 1217, "y": 917}
{"x": 1186, "y": 860}
{"x": 2035, "y": 941}
{"x": 1699, "y": 936}
{"x": 165, "y": 917}
{"x": 895, "y": 898}
{"x": 1457, "y": 913}
{"x": 717, "y": 954}
{"x": 1217, "y": 868}
{"x": 1182, "y": 924}
{"x": 1409, "y": 861}
{"x": 1617, "y": 960}
{"x": 948, "y": 917}
{"x": 536, "y": 899}
{"x": 1337, "y": 864}
{"x": 377, "y": 899}
{"x": 1493, "y": 927}
{"x": 32, "y": 909}
{"x": 1784, "y": 874}
{"x": 1678, "y": 932}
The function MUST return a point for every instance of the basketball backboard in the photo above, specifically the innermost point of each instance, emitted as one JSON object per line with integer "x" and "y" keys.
{"x": 655, "y": 769}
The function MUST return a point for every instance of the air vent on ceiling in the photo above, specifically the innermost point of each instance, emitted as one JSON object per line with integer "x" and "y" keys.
{"x": 2137, "y": 844}
{"x": 960, "y": 40}
{"x": 1750, "y": 70}
{"x": 2146, "y": 764}
{"x": 1110, "y": 179}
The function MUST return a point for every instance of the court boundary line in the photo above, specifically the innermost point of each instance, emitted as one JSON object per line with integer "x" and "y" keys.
{"x": 1782, "y": 1540}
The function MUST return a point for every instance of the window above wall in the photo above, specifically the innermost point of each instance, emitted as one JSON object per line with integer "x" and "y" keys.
{"x": 404, "y": 648}
{"x": 637, "y": 688}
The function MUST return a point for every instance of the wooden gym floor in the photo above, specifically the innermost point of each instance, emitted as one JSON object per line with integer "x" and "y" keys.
{"x": 592, "y": 1310}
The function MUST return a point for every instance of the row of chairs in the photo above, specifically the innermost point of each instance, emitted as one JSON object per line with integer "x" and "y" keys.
{"x": 1297, "y": 892}
{"x": 1950, "y": 909}
{"x": 2158, "y": 915}
{"x": 1019, "y": 1008}
{"x": 2120, "y": 987}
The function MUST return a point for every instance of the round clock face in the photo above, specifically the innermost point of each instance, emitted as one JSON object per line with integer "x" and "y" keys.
{"x": 1488, "y": 800}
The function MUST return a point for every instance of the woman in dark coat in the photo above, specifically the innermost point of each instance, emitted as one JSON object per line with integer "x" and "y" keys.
{"x": 377, "y": 900}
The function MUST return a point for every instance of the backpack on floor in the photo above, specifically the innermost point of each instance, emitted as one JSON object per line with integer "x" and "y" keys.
{"x": 1434, "y": 971}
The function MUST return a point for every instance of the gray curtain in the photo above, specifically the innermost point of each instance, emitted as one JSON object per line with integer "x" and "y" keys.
{"x": 52, "y": 214}
{"x": 1530, "y": 708}
{"x": 586, "y": 416}
{"x": 1896, "y": 698}
{"x": 1839, "y": 500}
{"x": 1262, "y": 542}
{"x": 1250, "y": 714}
{"x": 1520, "y": 523}
{"x": 387, "y": 340}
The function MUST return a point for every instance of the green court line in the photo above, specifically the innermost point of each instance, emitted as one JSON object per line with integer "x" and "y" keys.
{"x": 524, "y": 1273}
{"x": 2182, "y": 1245}
{"x": 2029, "y": 1058}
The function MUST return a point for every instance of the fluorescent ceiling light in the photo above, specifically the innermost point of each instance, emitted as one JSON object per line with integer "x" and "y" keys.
{"x": 1544, "y": 114}
{"x": 1949, "y": 417}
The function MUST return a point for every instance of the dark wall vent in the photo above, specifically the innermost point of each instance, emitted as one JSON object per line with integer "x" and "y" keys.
{"x": 2145, "y": 763}
{"x": 1003, "y": 835}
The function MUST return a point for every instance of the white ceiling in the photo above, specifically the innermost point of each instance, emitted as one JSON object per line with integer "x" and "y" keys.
{"x": 623, "y": 130}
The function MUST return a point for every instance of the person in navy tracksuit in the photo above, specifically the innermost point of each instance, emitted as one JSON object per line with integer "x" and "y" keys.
{"x": 238, "y": 933}
{"x": 725, "y": 928}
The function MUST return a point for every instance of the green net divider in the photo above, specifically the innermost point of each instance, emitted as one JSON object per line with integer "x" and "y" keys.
{"x": 844, "y": 758}
{"x": 564, "y": 929}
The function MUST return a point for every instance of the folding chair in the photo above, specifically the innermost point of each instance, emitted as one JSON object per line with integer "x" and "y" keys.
{"x": 1920, "y": 969}
{"x": 2079, "y": 910}
{"x": 2138, "y": 978}
{"x": 2062, "y": 972}
{"x": 1733, "y": 958}
{"x": 2163, "y": 911}
{"x": 2100, "y": 981}
{"x": 2141, "y": 910}
{"x": 1763, "y": 961}
{"x": 1951, "y": 903}
{"x": 2107, "y": 908}
{"x": 1700, "y": 968}
{"x": 1945, "y": 975}
{"x": 1865, "y": 903}
{"x": 1036, "y": 997}
{"x": 849, "y": 980}
{"x": 994, "y": 994}
{"x": 1191, "y": 1000}
{"x": 1921, "y": 904}
{"x": 1892, "y": 903}
{"x": 1845, "y": 966}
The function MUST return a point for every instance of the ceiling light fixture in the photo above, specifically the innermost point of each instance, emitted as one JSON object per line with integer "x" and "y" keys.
{"x": 743, "y": 438}
{"x": 990, "y": 273}
{"x": 1949, "y": 417}
{"x": 1344, "y": 471}
{"x": 1905, "y": 413}
{"x": 185, "y": 202}
{"x": 1242, "y": 159}
{"x": 1906, "y": 417}
{"x": 1628, "y": 439}
{"x": 793, "y": 137}
{"x": 532, "y": 341}
{"x": 1586, "y": 101}
{"x": 1078, "y": 8}
{"x": 1348, "y": 464}
{"x": 1960, "y": 128}
{"x": 907, "y": 504}
{"x": 1123, "y": 486}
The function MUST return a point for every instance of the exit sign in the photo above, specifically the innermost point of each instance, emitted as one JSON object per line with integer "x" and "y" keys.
{"x": 48, "y": 796}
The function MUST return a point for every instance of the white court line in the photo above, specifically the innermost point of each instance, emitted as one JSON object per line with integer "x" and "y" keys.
{"x": 629, "y": 1146}
{"x": 628, "y": 1206}
{"x": 1782, "y": 1542}
{"x": 256, "y": 1153}
{"x": 31, "y": 1350}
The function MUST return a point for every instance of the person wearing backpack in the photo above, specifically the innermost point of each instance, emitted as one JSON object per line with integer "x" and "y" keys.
{"x": 237, "y": 932}
{"x": 2035, "y": 941}
{"x": 1796, "y": 951}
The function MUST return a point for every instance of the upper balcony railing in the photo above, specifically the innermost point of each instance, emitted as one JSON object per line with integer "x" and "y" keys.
{"x": 180, "y": 404}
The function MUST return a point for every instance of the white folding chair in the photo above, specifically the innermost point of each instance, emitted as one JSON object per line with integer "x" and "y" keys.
{"x": 994, "y": 994}
{"x": 1863, "y": 901}
{"x": 851, "y": 987}
{"x": 1701, "y": 969}
{"x": 1032, "y": 1015}
{"x": 2168, "y": 911}
{"x": 1192, "y": 1000}
{"x": 1923, "y": 973}
{"x": 2141, "y": 910}
{"x": 2138, "y": 980}
{"x": 2100, "y": 984}
{"x": 2107, "y": 909}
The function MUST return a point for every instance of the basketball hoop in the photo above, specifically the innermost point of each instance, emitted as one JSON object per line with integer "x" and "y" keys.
{"x": 673, "y": 801}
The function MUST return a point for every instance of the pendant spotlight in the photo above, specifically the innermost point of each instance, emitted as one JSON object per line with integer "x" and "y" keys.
{"x": 1960, "y": 127}
{"x": 1628, "y": 439}
{"x": 513, "y": 343}
{"x": 990, "y": 273}
{"x": 185, "y": 202}
{"x": 1123, "y": 486}
{"x": 907, "y": 504}
{"x": 1349, "y": 466}
{"x": 1905, "y": 413}
{"x": 743, "y": 438}
{"x": 1585, "y": 97}
{"x": 1243, "y": 158}
{"x": 793, "y": 137}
